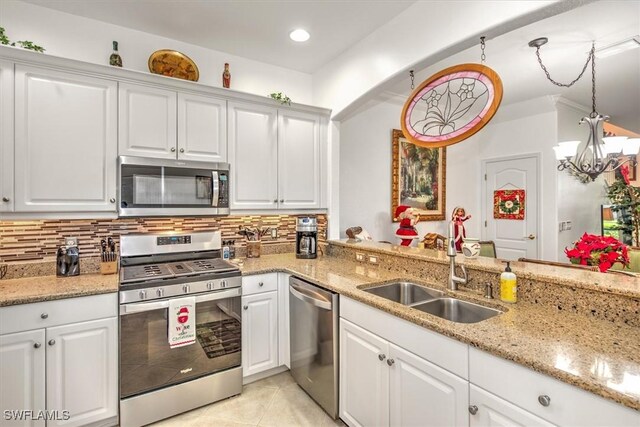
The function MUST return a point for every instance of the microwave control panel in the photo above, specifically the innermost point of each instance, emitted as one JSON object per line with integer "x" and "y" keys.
{"x": 223, "y": 197}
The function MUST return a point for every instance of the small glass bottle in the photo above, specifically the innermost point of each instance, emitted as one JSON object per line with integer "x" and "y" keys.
{"x": 226, "y": 77}
{"x": 115, "y": 59}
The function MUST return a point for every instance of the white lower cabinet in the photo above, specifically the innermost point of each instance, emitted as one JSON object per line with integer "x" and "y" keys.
{"x": 259, "y": 332}
{"x": 488, "y": 410}
{"x": 22, "y": 375}
{"x": 82, "y": 371}
{"x": 60, "y": 366}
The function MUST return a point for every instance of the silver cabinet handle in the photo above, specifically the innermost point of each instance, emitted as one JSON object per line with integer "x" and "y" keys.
{"x": 186, "y": 289}
{"x": 52, "y": 342}
{"x": 182, "y": 150}
{"x": 390, "y": 362}
{"x": 473, "y": 409}
{"x": 143, "y": 294}
{"x": 112, "y": 200}
{"x": 44, "y": 315}
{"x": 544, "y": 400}
{"x": 246, "y": 307}
{"x": 381, "y": 357}
{"x": 173, "y": 149}
{"x": 36, "y": 345}
{"x": 6, "y": 199}
{"x": 261, "y": 284}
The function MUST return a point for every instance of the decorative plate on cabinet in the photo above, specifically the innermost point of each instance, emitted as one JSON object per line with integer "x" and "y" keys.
{"x": 172, "y": 63}
{"x": 451, "y": 105}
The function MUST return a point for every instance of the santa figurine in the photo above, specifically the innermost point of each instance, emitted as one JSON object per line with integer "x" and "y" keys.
{"x": 458, "y": 218}
{"x": 408, "y": 218}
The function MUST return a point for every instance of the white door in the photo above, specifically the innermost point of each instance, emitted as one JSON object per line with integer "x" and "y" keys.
{"x": 65, "y": 141}
{"x": 513, "y": 238}
{"x": 492, "y": 411}
{"x": 6, "y": 136}
{"x": 422, "y": 393}
{"x": 82, "y": 371}
{"x": 298, "y": 160}
{"x": 253, "y": 155}
{"x": 259, "y": 332}
{"x": 202, "y": 128}
{"x": 22, "y": 375}
{"x": 148, "y": 122}
{"x": 364, "y": 377}
{"x": 284, "y": 339}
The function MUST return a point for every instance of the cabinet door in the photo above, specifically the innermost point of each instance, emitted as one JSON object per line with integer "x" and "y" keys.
{"x": 493, "y": 411}
{"x": 202, "y": 128}
{"x": 82, "y": 371}
{"x": 6, "y": 136}
{"x": 284, "y": 340}
{"x": 259, "y": 332}
{"x": 364, "y": 377}
{"x": 422, "y": 393}
{"x": 298, "y": 160}
{"x": 22, "y": 378}
{"x": 148, "y": 122}
{"x": 253, "y": 155}
{"x": 65, "y": 141}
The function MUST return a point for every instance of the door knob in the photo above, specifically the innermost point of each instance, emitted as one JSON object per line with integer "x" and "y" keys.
{"x": 112, "y": 200}
{"x": 246, "y": 307}
{"x": 544, "y": 400}
{"x": 275, "y": 200}
{"x": 390, "y": 362}
{"x": 281, "y": 200}
{"x": 6, "y": 199}
{"x": 530, "y": 236}
{"x": 44, "y": 315}
{"x": 52, "y": 342}
{"x": 36, "y": 345}
{"x": 173, "y": 149}
{"x": 261, "y": 284}
{"x": 473, "y": 409}
{"x": 381, "y": 357}
{"x": 182, "y": 150}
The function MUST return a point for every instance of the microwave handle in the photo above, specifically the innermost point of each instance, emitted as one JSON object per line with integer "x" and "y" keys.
{"x": 215, "y": 184}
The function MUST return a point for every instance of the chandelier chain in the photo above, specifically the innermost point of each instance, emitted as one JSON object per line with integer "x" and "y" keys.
{"x": 590, "y": 58}
{"x": 411, "y": 74}
{"x": 592, "y": 54}
{"x": 483, "y": 57}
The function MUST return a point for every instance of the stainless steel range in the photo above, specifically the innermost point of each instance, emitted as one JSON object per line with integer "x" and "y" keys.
{"x": 158, "y": 378}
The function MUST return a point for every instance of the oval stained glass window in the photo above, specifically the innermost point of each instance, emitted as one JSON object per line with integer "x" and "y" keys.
{"x": 451, "y": 105}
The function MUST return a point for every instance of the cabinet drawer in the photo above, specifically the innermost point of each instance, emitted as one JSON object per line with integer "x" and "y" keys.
{"x": 568, "y": 405}
{"x": 46, "y": 314}
{"x": 259, "y": 283}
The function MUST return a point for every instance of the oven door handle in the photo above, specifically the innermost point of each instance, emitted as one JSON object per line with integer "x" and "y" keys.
{"x": 157, "y": 305}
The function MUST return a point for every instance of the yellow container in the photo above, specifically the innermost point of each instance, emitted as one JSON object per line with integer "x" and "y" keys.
{"x": 508, "y": 286}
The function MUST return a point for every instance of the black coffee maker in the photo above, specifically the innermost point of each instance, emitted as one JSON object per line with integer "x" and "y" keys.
{"x": 306, "y": 237}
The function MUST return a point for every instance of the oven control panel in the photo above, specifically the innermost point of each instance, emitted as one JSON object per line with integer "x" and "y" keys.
{"x": 173, "y": 240}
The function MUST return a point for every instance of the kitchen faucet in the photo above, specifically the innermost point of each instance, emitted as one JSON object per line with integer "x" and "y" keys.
{"x": 451, "y": 253}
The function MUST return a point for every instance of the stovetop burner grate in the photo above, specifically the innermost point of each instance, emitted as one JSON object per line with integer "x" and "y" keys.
{"x": 141, "y": 273}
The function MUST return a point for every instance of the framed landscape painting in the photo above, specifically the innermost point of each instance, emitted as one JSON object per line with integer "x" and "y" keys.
{"x": 418, "y": 178}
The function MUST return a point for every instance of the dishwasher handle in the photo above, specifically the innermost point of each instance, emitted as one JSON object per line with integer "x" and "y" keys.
{"x": 309, "y": 297}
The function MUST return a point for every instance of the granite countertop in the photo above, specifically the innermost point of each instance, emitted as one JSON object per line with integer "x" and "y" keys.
{"x": 47, "y": 288}
{"x": 596, "y": 355}
{"x": 616, "y": 283}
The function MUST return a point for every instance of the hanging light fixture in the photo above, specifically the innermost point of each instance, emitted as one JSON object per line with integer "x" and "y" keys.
{"x": 599, "y": 154}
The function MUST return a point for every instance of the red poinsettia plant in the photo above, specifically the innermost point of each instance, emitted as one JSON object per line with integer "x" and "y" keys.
{"x": 601, "y": 251}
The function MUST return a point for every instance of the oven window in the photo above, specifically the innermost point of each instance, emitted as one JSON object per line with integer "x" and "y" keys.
{"x": 147, "y": 363}
{"x": 159, "y": 186}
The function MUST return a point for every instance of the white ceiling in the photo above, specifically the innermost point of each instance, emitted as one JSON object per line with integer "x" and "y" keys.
{"x": 570, "y": 35}
{"x": 255, "y": 29}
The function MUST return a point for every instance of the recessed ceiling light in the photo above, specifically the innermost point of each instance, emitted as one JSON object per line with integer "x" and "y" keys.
{"x": 621, "y": 46}
{"x": 299, "y": 35}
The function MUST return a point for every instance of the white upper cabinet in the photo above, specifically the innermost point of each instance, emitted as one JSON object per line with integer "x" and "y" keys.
{"x": 65, "y": 141}
{"x": 253, "y": 155}
{"x": 298, "y": 160}
{"x": 6, "y": 136}
{"x": 22, "y": 374}
{"x": 148, "y": 123}
{"x": 202, "y": 128}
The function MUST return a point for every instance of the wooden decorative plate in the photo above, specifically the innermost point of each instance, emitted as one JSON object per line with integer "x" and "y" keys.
{"x": 451, "y": 105}
{"x": 172, "y": 63}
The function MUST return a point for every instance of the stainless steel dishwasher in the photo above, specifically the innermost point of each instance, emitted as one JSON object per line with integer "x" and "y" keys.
{"x": 313, "y": 326}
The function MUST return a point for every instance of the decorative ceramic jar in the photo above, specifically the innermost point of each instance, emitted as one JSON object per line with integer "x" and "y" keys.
{"x": 471, "y": 247}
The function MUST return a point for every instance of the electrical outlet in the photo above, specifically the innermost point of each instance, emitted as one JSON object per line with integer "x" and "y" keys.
{"x": 374, "y": 259}
{"x": 567, "y": 225}
{"x": 561, "y": 226}
{"x": 274, "y": 233}
{"x": 71, "y": 241}
{"x": 359, "y": 257}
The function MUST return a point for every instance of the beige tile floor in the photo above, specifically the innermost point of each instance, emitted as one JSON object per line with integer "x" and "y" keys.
{"x": 275, "y": 401}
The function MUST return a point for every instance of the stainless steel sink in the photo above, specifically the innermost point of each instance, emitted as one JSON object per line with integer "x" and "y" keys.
{"x": 456, "y": 310}
{"x": 406, "y": 293}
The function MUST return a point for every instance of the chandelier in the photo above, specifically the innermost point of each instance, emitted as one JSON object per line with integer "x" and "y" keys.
{"x": 600, "y": 154}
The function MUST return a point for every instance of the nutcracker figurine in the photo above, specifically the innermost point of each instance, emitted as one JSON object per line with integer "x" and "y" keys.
{"x": 458, "y": 218}
{"x": 226, "y": 77}
{"x": 408, "y": 219}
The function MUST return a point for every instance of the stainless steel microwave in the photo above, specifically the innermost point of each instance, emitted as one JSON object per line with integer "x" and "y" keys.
{"x": 166, "y": 187}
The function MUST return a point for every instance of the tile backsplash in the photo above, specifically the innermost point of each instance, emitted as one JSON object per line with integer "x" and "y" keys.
{"x": 39, "y": 239}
